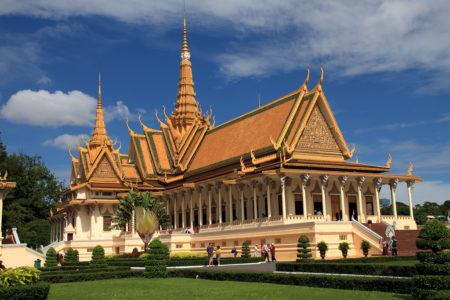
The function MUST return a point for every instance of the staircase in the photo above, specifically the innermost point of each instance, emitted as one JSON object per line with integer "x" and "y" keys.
{"x": 406, "y": 239}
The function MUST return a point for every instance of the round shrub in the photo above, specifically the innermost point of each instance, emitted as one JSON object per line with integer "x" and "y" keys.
{"x": 156, "y": 262}
{"x": 303, "y": 249}
{"x": 51, "y": 259}
{"x": 323, "y": 248}
{"x": 98, "y": 259}
{"x": 365, "y": 247}
{"x": 344, "y": 247}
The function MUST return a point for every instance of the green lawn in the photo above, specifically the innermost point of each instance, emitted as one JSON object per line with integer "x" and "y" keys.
{"x": 182, "y": 288}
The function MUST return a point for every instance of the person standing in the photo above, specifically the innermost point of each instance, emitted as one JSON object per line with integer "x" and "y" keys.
{"x": 272, "y": 252}
{"x": 394, "y": 246}
{"x": 218, "y": 254}
{"x": 266, "y": 252}
{"x": 210, "y": 251}
{"x": 385, "y": 247}
{"x": 263, "y": 251}
{"x": 255, "y": 251}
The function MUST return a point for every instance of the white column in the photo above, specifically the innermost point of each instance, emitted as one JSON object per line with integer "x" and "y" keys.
{"x": 342, "y": 181}
{"x": 324, "y": 182}
{"x": 241, "y": 196}
{"x": 191, "y": 215}
{"x": 267, "y": 182}
{"x": 92, "y": 212}
{"x": 361, "y": 217}
{"x": 200, "y": 208}
{"x": 393, "y": 184}
{"x": 133, "y": 217}
{"x": 183, "y": 210}
{"x": 230, "y": 202}
{"x": 219, "y": 194}
{"x": 410, "y": 185}
{"x": 208, "y": 187}
{"x": 283, "y": 195}
{"x": 255, "y": 199}
{"x": 175, "y": 212}
{"x": 305, "y": 183}
{"x": 377, "y": 187}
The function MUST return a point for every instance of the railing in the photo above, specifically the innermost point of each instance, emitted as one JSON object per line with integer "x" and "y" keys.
{"x": 54, "y": 244}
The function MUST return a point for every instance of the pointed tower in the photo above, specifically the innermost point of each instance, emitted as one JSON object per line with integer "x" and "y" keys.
{"x": 186, "y": 108}
{"x": 99, "y": 135}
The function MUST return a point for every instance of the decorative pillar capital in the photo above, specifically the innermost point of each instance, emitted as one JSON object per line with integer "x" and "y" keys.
{"x": 393, "y": 183}
{"x": 342, "y": 180}
{"x": 324, "y": 180}
{"x": 377, "y": 182}
{"x": 266, "y": 180}
{"x": 410, "y": 183}
{"x": 198, "y": 189}
{"x": 360, "y": 181}
{"x": 253, "y": 183}
{"x": 218, "y": 184}
{"x": 240, "y": 187}
{"x": 306, "y": 179}
{"x": 189, "y": 191}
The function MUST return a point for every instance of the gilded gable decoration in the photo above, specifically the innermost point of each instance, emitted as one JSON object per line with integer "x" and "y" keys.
{"x": 334, "y": 189}
{"x": 351, "y": 190}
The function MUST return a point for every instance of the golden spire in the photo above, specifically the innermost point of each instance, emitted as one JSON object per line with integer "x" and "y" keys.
{"x": 186, "y": 108}
{"x": 99, "y": 135}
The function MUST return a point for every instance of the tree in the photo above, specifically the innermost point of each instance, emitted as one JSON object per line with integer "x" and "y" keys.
{"x": 245, "y": 250}
{"x": 303, "y": 249}
{"x": 434, "y": 236}
{"x": 51, "y": 259}
{"x": 344, "y": 247}
{"x": 35, "y": 194}
{"x": 146, "y": 226}
{"x": 323, "y": 248}
{"x": 71, "y": 256}
{"x": 98, "y": 257}
{"x": 402, "y": 210}
{"x": 133, "y": 200}
{"x": 365, "y": 247}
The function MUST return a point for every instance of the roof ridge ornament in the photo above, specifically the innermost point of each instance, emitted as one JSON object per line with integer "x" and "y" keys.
{"x": 410, "y": 169}
{"x": 304, "y": 86}
{"x": 318, "y": 86}
{"x": 142, "y": 124}
{"x": 388, "y": 163}
{"x": 352, "y": 151}
{"x": 129, "y": 129}
{"x": 70, "y": 148}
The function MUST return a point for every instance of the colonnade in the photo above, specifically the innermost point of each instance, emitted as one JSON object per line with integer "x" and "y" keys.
{"x": 326, "y": 197}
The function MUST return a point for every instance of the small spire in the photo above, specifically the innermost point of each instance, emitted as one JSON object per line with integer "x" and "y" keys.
{"x": 99, "y": 91}
{"x": 185, "y": 54}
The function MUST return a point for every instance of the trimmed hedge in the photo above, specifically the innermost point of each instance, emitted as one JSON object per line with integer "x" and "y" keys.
{"x": 88, "y": 270}
{"x": 402, "y": 286}
{"x": 82, "y": 276}
{"x": 379, "y": 259}
{"x": 33, "y": 291}
{"x": 433, "y": 269}
{"x": 136, "y": 262}
{"x": 362, "y": 269}
{"x": 431, "y": 287}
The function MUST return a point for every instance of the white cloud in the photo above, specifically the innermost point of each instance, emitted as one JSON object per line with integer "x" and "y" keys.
{"x": 43, "y": 108}
{"x": 353, "y": 37}
{"x": 66, "y": 140}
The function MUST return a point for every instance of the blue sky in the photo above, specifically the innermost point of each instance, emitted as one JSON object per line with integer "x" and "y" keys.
{"x": 387, "y": 71}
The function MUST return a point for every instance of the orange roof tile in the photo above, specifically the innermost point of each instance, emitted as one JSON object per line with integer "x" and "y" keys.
{"x": 161, "y": 151}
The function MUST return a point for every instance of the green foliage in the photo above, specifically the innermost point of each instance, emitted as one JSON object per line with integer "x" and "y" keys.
{"x": 403, "y": 286}
{"x": 135, "y": 250}
{"x": 18, "y": 276}
{"x": 348, "y": 268}
{"x": 434, "y": 230}
{"x": 146, "y": 226}
{"x": 141, "y": 262}
{"x": 89, "y": 276}
{"x": 344, "y": 247}
{"x": 145, "y": 200}
{"x": 432, "y": 287}
{"x": 37, "y": 291}
{"x": 421, "y": 211}
{"x": 71, "y": 257}
{"x": 98, "y": 257}
{"x": 365, "y": 247}
{"x": 51, "y": 259}
{"x": 303, "y": 249}
{"x": 35, "y": 194}
{"x": 156, "y": 262}
{"x": 187, "y": 255}
{"x": 323, "y": 248}
{"x": 402, "y": 210}
{"x": 245, "y": 250}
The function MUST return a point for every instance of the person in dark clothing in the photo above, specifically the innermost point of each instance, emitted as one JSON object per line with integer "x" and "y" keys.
{"x": 272, "y": 252}
{"x": 394, "y": 246}
{"x": 210, "y": 251}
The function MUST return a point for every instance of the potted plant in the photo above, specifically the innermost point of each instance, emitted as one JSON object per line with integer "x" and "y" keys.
{"x": 344, "y": 248}
{"x": 365, "y": 247}
{"x": 323, "y": 248}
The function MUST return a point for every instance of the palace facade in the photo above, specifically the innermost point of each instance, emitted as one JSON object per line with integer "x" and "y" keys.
{"x": 270, "y": 175}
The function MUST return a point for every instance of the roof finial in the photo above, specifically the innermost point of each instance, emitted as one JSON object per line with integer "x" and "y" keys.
{"x": 185, "y": 55}
{"x": 99, "y": 91}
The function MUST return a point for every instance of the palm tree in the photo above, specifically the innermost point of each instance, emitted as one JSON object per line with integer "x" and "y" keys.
{"x": 146, "y": 226}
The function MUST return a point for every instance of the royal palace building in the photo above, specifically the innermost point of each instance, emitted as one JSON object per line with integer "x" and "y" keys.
{"x": 268, "y": 176}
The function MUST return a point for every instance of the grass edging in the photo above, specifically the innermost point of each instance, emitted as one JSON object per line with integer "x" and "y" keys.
{"x": 402, "y": 286}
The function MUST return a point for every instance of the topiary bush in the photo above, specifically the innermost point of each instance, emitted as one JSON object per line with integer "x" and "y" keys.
{"x": 98, "y": 259}
{"x": 323, "y": 248}
{"x": 435, "y": 265}
{"x": 365, "y": 247}
{"x": 344, "y": 247}
{"x": 303, "y": 249}
{"x": 245, "y": 250}
{"x": 19, "y": 276}
{"x": 156, "y": 262}
{"x": 135, "y": 250}
{"x": 51, "y": 259}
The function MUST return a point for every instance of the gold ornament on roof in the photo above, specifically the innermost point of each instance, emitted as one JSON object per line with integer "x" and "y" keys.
{"x": 388, "y": 163}
{"x": 352, "y": 151}
{"x": 129, "y": 129}
{"x": 410, "y": 169}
